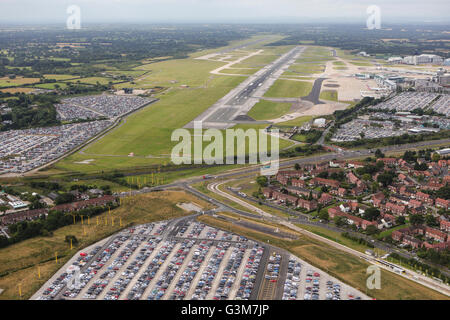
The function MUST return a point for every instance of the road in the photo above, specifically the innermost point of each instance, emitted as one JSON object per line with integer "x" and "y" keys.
{"x": 411, "y": 275}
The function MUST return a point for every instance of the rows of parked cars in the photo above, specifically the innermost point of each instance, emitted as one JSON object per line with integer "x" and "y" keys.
{"x": 292, "y": 283}
{"x": 248, "y": 280}
{"x": 133, "y": 267}
{"x": 230, "y": 271}
{"x": 142, "y": 283}
{"x": 164, "y": 281}
{"x": 312, "y": 284}
{"x": 103, "y": 280}
{"x": 273, "y": 267}
{"x": 190, "y": 272}
{"x": 206, "y": 279}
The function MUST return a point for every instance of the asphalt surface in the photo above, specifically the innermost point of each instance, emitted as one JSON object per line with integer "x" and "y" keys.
{"x": 243, "y": 96}
{"x": 229, "y": 109}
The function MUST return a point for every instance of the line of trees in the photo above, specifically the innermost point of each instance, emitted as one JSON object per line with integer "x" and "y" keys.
{"x": 44, "y": 225}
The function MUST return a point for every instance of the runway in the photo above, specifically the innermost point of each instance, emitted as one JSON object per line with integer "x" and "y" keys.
{"x": 234, "y": 106}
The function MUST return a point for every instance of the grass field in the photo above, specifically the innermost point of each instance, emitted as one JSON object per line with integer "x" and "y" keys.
{"x": 343, "y": 266}
{"x": 239, "y": 71}
{"x": 61, "y": 85}
{"x": 19, "y": 262}
{"x": 331, "y": 95}
{"x": 148, "y": 131}
{"x": 16, "y": 90}
{"x": 299, "y": 137}
{"x": 257, "y": 61}
{"x": 171, "y": 73}
{"x": 92, "y": 80}
{"x": 59, "y": 77}
{"x": 18, "y": 81}
{"x": 296, "y": 122}
{"x": 265, "y": 110}
{"x": 361, "y": 64}
{"x": 305, "y": 68}
{"x": 289, "y": 89}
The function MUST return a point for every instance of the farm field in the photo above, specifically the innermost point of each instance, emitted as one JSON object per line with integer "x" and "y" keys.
{"x": 59, "y": 77}
{"x": 16, "y": 90}
{"x": 62, "y": 85}
{"x": 18, "y": 81}
{"x": 92, "y": 80}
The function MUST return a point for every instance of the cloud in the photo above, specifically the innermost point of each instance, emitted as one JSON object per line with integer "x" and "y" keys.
{"x": 218, "y": 10}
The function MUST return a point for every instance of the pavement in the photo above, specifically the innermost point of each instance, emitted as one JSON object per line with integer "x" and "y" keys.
{"x": 240, "y": 100}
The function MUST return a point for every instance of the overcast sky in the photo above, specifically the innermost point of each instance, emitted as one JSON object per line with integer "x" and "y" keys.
{"x": 157, "y": 11}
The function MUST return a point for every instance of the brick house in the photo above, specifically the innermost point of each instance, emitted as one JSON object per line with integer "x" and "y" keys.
{"x": 388, "y": 161}
{"x": 377, "y": 199}
{"x": 325, "y": 182}
{"x": 396, "y": 208}
{"x": 285, "y": 198}
{"x": 299, "y": 191}
{"x": 306, "y": 204}
{"x": 352, "y": 178}
{"x": 414, "y": 203}
{"x": 298, "y": 183}
{"x": 267, "y": 192}
{"x": 282, "y": 179}
{"x": 424, "y": 197}
{"x": 357, "y": 221}
{"x": 357, "y": 191}
{"x": 435, "y": 234}
{"x": 325, "y": 198}
{"x": 411, "y": 241}
{"x": 442, "y": 203}
{"x": 444, "y": 225}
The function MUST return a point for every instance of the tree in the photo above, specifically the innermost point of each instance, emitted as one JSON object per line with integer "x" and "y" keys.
{"x": 431, "y": 221}
{"x": 371, "y": 214}
{"x": 435, "y": 157}
{"x": 420, "y": 167}
{"x": 409, "y": 156}
{"x": 385, "y": 178}
{"x": 444, "y": 192}
{"x": 64, "y": 198}
{"x": 297, "y": 166}
{"x": 324, "y": 215}
{"x": 416, "y": 219}
{"x": 73, "y": 238}
{"x": 262, "y": 181}
{"x": 380, "y": 165}
{"x": 3, "y": 208}
{"x": 379, "y": 154}
{"x": 340, "y": 221}
{"x": 370, "y": 230}
{"x": 400, "y": 220}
